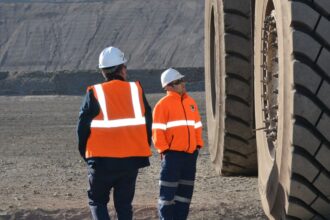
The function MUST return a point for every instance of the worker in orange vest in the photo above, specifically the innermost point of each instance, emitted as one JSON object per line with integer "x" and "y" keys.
{"x": 177, "y": 136}
{"x": 114, "y": 134}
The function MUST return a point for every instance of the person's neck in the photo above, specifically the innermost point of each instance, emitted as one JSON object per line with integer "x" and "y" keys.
{"x": 175, "y": 92}
{"x": 118, "y": 77}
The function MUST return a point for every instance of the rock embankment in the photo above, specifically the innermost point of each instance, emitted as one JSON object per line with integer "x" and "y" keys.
{"x": 53, "y": 35}
{"x": 76, "y": 82}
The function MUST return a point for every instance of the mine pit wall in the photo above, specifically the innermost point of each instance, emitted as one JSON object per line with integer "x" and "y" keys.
{"x": 76, "y": 82}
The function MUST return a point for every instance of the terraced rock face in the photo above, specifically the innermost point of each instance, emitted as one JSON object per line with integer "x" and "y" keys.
{"x": 40, "y": 35}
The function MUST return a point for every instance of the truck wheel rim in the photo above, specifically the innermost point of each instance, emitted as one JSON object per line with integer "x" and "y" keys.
{"x": 270, "y": 81}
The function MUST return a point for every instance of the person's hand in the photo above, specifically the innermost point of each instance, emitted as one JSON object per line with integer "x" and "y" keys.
{"x": 163, "y": 153}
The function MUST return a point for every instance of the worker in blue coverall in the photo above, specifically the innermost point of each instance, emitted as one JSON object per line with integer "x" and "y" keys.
{"x": 177, "y": 136}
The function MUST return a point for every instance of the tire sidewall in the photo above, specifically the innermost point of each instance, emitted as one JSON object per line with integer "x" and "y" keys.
{"x": 274, "y": 172}
{"x": 215, "y": 119}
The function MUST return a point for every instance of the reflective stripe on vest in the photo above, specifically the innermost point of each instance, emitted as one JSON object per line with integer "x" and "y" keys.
{"x": 106, "y": 123}
{"x": 119, "y": 130}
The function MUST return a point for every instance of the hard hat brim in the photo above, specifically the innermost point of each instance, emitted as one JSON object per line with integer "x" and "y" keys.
{"x": 116, "y": 64}
{"x": 180, "y": 77}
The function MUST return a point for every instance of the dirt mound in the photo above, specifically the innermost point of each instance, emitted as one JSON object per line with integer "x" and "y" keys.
{"x": 51, "y": 35}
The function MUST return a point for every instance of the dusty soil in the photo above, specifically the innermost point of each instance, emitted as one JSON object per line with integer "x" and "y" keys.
{"x": 43, "y": 177}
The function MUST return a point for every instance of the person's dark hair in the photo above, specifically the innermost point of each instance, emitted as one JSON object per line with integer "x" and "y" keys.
{"x": 112, "y": 72}
{"x": 176, "y": 82}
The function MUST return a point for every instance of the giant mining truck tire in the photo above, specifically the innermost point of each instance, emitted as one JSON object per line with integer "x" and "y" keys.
{"x": 229, "y": 86}
{"x": 292, "y": 107}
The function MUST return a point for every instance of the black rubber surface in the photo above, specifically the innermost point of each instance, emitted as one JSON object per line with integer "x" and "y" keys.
{"x": 310, "y": 186}
{"x": 237, "y": 152}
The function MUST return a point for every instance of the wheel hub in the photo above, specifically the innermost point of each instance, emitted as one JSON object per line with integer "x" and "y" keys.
{"x": 270, "y": 81}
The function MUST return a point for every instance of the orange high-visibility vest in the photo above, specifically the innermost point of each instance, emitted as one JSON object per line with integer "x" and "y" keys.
{"x": 119, "y": 130}
{"x": 176, "y": 124}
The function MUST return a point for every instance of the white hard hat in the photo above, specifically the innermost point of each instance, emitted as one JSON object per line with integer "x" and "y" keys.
{"x": 169, "y": 76}
{"x": 111, "y": 56}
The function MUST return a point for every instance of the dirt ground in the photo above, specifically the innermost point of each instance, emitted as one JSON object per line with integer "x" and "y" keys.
{"x": 43, "y": 177}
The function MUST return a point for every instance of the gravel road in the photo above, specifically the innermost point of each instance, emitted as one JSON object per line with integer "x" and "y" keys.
{"x": 43, "y": 177}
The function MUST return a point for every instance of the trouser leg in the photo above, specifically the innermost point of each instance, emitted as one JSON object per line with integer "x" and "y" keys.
{"x": 99, "y": 212}
{"x": 123, "y": 195}
{"x": 98, "y": 194}
{"x": 185, "y": 190}
{"x": 169, "y": 176}
{"x": 183, "y": 199}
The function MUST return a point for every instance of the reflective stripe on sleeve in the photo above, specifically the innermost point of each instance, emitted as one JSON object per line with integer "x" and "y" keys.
{"x": 168, "y": 184}
{"x": 182, "y": 199}
{"x": 198, "y": 124}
